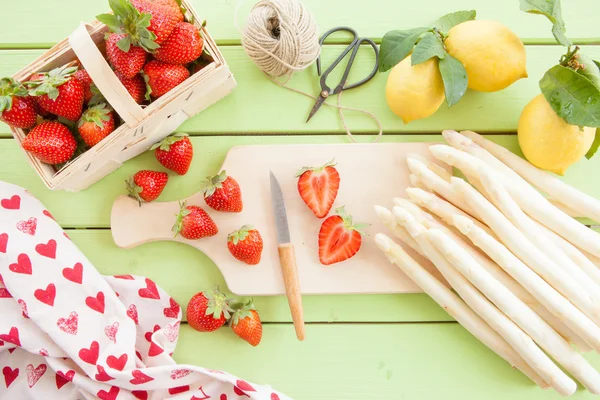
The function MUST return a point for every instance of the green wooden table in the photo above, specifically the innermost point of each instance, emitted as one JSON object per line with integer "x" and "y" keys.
{"x": 358, "y": 347}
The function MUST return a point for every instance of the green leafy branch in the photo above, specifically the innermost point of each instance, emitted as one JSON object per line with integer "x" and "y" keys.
{"x": 573, "y": 86}
{"x": 426, "y": 43}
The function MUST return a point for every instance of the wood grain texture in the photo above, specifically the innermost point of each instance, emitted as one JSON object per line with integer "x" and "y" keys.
{"x": 289, "y": 269}
{"x": 259, "y": 106}
{"x": 368, "y": 362}
{"x": 372, "y": 20}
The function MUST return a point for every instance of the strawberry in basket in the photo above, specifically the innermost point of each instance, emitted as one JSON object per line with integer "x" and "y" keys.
{"x": 161, "y": 77}
{"x": 96, "y": 123}
{"x": 58, "y": 92}
{"x": 16, "y": 107}
{"x": 183, "y": 46}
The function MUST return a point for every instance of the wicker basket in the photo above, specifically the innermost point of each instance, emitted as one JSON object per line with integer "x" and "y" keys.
{"x": 142, "y": 126}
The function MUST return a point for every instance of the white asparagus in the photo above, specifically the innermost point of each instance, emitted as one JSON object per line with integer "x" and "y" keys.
{"x": 570, "y": 212}
{"x": 456, "y": 307}
{"x": 516, "y": 241}
{"x": 386, "y": 217}
{"x": 569, "y": 196}
{"x": 531, "y": 323}
{"x": 433, "y": 167}
{"x": 434, "y": 182}
{"x": 595, "y": 260}
{"x": 529, "y": 200}
{"x": 491, "y": 267}
{"x": 515, "y": 336}
{"x": 506, "y": 204}
{"x": 585, "y": 330}
{"x": 416, "y": 182}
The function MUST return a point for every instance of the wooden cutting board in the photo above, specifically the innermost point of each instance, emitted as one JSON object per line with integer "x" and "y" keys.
{"x": 370, "y": 174}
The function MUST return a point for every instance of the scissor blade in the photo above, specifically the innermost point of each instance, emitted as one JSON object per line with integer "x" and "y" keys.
{"x": 316, "y": 107}
{"x": 281, "y": 222}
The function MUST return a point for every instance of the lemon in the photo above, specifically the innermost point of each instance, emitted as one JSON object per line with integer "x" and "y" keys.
{"x": 492, "y": 54}
{"x": 547, "y": 141}
{"x": 414, "y": 92}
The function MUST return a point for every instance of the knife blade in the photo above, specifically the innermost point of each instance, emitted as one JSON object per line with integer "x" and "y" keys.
{"x": 287, "y": 258}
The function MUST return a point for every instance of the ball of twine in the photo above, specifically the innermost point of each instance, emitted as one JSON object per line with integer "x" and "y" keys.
{"x": 281, "y": 37}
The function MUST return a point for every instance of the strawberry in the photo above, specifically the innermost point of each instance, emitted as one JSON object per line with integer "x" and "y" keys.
{"x": 161, "y": 77}
{"x": 318, "y": 187}
{"x": 245, "y": 322}
{"x": 16, "y": 108}
{"x": 51, "y": 142}
{"x": 89, "y": 89}
{"x": 246, "y": 244}
{"x": 175, "y": 153}
{"x": 194, "y": 223}
{"x": 339, "y": 238}
{"x": 135, "y": 86}
{"x": 183, "y": 46}
{"x": 96, "y": 123}
{"x": 146, "y": 185}
{"x": 59, "y": 93}
{"x": 38, "y": 108}
{"x": 208, "y": 311}
{"x": 128, "y": 62}
{"x": 163, "y": 20}
{"x": 175, "y": 5}
{"x": 222, "y": 193}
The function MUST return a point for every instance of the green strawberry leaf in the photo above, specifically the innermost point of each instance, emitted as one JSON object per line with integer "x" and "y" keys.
{"x": 449, "y": 21}
{"x": 111, "y": 21}
{"x": 429, "y": 46}
{"x": 595, "y": 145}
{"x": 396, "y": 45}
{"x": 454, "y": 77}
{"x": 551, "y": 10}
{"x": 572, "y": 96}
{"x": 125, "y": 43}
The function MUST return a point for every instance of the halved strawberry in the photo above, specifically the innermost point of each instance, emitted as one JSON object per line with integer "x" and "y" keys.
{"x": 318, "y": 187}
{"x": 339, "y": 238}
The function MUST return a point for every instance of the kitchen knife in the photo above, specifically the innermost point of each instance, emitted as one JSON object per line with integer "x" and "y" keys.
{"x": 287, "y": 258}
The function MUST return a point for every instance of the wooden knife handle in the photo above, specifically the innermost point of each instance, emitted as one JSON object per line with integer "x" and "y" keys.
{"x": 287, "y": 257}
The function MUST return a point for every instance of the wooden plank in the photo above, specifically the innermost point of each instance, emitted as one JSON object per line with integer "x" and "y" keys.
{"x": 260, "y": 106}
{"x": 48, "y": 24}
{"x": 370, "y": 361}
{"x": 91, "y": 208}
{"x": 183, "y": 271}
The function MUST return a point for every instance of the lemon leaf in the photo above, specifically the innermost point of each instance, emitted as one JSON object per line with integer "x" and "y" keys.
{"x": 454, "y": 77}
{"x": 551, "y": 10}
{"x": 396, "y": 45}
{"x": 595, "y": 145}
{"x": 572, "y": 96}
{"x": 429, "y": 46}
{"x": 449, "y": 21}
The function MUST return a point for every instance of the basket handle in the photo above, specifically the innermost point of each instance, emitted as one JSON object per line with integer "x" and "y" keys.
{"x": 103, "y": 76}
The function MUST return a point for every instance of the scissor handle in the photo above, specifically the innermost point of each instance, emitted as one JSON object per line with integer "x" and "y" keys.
{"x": 342, "y": 85}
{"x": 326, "y": 35}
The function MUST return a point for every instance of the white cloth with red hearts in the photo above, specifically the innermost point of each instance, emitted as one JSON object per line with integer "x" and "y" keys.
{"x": 67, "y": 332}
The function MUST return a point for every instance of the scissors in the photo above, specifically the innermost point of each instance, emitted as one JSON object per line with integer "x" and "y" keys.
{"x": 326, "y": 91}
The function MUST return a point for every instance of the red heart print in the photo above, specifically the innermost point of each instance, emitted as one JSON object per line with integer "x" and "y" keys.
{"x": 90, "y": 355}
{"x": 69, "y": 325}
{"x": 43, "y": 352}
{"x": 110, "y": 395}
{"x": 65, "y": 235}
{"x": 223, "y": 396}
{"x": 12, "y": 336}
{"x": 148, "y": 335}
{"x": 140, "y": 394}
{"x": 117, "y": 363}
{"x": 14, "y": 203}
{"x": 138, "y": 354}
{"x": 139, "y": 377}
{"x": 62, "y": 378}
{"x": 47, "y": 214}
{"x": 5, "y": 294}
{"x": 23, "y": 308}
{"x": 3, "y": 242}
{"x": 28, "y": 226}
{"x": 173, "y": 311}
{"x": 102, "y": 376}
{"x": 127, "y": 277}
{"x": 2, "y": 280}
{"x": 96, "y": 303}
{"x": 205, "y": 396}
{"x": 150, "y": 291}
{"x": 274, "y": 396}
{"x": 9, "y": 375}
{"x": 154, "y": 349}
{"x": 46, "y": 296}
{"x": 48, "y": 249}
{"x": 34, "y": 374}
{"x": 111, "y": 331}
{"x": 11, "y": 350}
{"x": 180, "y": 373}
{"x": 179, "y": 389}
{"x": 245, "y": 386}
{"x": 239, "y": 391}
{"x": 132, "y": 313}
{"x": 74, "y": 274}
{"x": 22, "y": 266}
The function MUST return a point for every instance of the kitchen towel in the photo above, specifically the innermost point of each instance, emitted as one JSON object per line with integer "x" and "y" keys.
{"x": 67, "y": 332}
